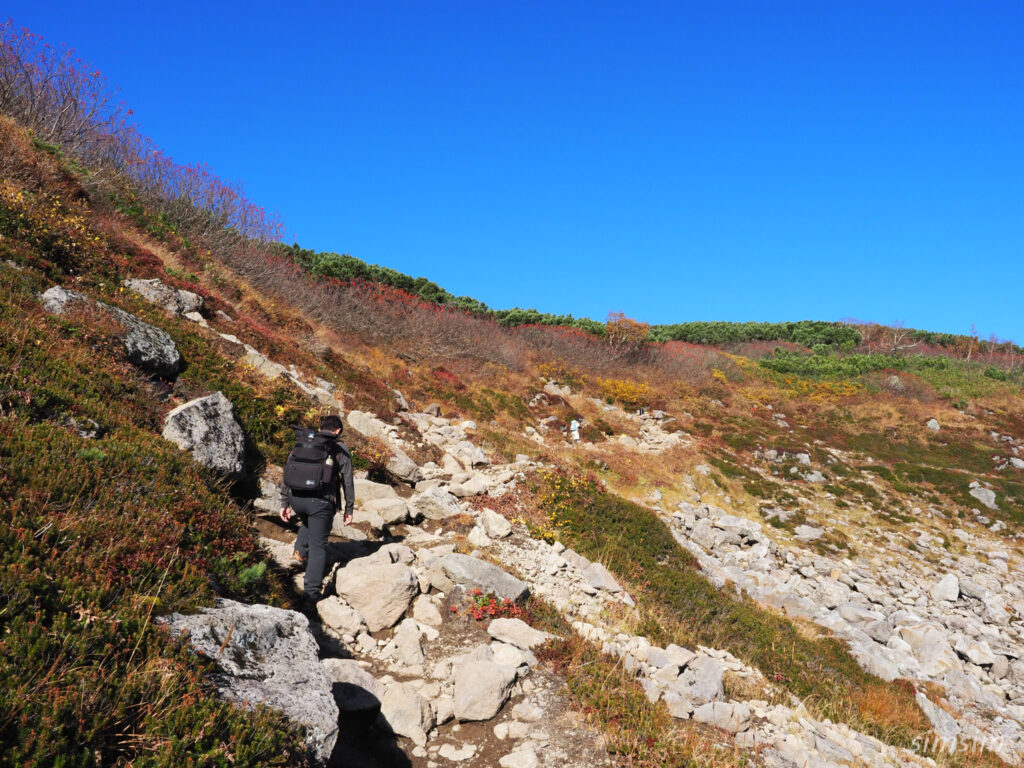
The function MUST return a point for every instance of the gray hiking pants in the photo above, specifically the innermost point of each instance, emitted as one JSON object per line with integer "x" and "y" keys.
{"x": 317, "y": 516}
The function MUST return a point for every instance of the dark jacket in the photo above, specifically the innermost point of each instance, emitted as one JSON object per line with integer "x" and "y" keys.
{"x": 342, "y": 477}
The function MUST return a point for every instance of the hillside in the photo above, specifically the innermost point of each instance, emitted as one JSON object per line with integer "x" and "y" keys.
{"x": 792, "y": 544}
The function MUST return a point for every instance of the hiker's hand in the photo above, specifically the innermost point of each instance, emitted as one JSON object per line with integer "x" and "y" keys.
{"x": 347, "y": 519}
{"x": 287, "y": 514}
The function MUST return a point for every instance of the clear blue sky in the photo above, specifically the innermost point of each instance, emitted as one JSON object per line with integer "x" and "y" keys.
{"x": 675, "y": 161}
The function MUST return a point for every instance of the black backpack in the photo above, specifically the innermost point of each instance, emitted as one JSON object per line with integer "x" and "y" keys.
{"x": 310, "y": 469}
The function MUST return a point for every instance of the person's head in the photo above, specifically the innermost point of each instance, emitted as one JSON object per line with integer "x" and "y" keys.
{"x": 331, "y": 423}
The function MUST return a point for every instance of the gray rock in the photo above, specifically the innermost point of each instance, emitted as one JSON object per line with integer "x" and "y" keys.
{"x": 472, "y": 572}
{"x": 575, "y": 559}
{"x": 986, "y": 496}
{"x": 481, "y": 688}
{"x": 408, "y": 649}
{"x": 932, "y": 425}
{"x": 207, "y": 428}
{"x": 362, "y": 516}
{"x": 976, "y": 651}
{"x": 381, "y": 592}
{"x": 478, "y": 538}
{"x": 338, "y": 615}
{"x": 930, "y": 647}
{"x": 947, "y": 588}
{"x": 174, "y": 300}
{"x": 701, "y": 681}
{"x": 831, "y": 593}
{"x": 457, "y": 754}
{"x": 510, "y": 656}
{"x": 598, "y": 577}
{"x": 945, "y": 724}
{"x": 404, "y": 468}
{"x": 390, "y": 511}
{"x": 407, "y": 713}
{"x": 434, "y": 504}
{"x": 495, "y": 525}
{"x": 518, "y": 633}
{"x": 426, "y": 612}
{"x": 468, "y": 454}
{"x": 367, "y": 490}
{"x": 732, "y": 716}
{"x": 147, "y": 347}
{"x": 523, "y": 757}
{"x": 808, "y": 533}
{"x": 355, "y": 689}
{"x": 265, "y": 655}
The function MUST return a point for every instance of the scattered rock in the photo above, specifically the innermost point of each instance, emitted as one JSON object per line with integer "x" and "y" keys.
{"x": 729, "y": 715}
{"x": 381, "y": 592}
{"x": 481, "y": 688}
{"x": 339, "y": 616}
{"x": 930, "y": 647}
{"x": 598, "y": 577}
{"x": 524, "y": 757}
{"x": 407, "y": 713}
{"x": 206, "y": 426}
{"x": 174, "y": 300}
{"x": 932, "y": 425}
{"x": 518, "y": 633}
{"x": 496, "y": 526}
{"x": 390, "y": 510}
{"x": 434, "y": 504}
{"x": 948, "y": 588}
{"x": 808, "y": 533}
{"x": 472, "y": 572}
{"x": 367, "y": 490}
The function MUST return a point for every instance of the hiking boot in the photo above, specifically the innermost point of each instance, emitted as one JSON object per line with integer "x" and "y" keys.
{"x": 297, "y": 561}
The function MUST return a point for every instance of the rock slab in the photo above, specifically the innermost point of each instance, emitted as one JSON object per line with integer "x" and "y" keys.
{"x": 473, "y": 572}
{"x": 268, "y": 656}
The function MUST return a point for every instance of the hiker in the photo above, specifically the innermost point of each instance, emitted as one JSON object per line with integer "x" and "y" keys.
{"x": 324, "y": 458}
{"x": 574, "y": 430}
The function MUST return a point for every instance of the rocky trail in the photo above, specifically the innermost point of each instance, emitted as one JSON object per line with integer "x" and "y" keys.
{"x": 396, "y": 656}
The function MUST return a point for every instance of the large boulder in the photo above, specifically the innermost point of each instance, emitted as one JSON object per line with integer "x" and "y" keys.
{"x": 206, "y": 426}
{"x": 434, "y": 504}
{"x": 489, "y": 578}
{"x": 174, "y": 300}
{"x": 265, "y": 655}
{"x": 481, "y": 688}
{"x": 147, "y": 347}
{"x": 380, "y": 591}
